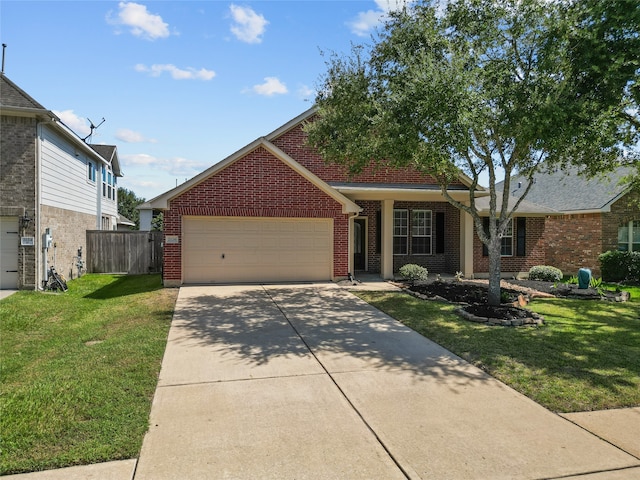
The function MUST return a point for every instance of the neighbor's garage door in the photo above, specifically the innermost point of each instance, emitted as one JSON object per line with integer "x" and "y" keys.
{"x": 240, "y": 249}
{"x": 9, "y": 252}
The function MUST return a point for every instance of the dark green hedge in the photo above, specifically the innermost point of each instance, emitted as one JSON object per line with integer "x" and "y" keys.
{"x": 620, "y": 266}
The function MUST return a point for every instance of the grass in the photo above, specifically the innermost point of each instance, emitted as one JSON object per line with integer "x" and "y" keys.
{"x": 79, "y": 369}
{"x": 586, "y": 356}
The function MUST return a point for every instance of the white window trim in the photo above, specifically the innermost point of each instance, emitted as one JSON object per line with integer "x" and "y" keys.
{"x": 511, "y": 236}
{"x": 430, "y": 236}
{"x": 407, "y": 226}
{"x": 629, "y": 243}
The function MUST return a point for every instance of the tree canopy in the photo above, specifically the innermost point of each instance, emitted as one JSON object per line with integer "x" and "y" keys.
{"x": 127, "y": 205}
{"x": 490, "y": 89}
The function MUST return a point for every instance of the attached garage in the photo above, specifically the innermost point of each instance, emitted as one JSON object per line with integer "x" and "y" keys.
{"x": 256, "y": 250}
{"x": 9, "y": 240}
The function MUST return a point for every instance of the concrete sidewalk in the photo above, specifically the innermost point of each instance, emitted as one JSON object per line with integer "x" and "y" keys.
{"x": 307, "y": 381}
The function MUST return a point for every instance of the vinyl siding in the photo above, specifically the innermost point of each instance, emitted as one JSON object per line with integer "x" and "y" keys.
{"x": 64, "y": 181}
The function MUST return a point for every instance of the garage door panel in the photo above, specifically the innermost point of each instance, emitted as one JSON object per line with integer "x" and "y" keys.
{"x": 9, "y": 239}
{"x": 229, "y": 249}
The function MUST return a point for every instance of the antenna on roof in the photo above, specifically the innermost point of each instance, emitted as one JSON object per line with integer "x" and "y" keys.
{"x": 92, "y": 127}
{"x": 4, "y": 46}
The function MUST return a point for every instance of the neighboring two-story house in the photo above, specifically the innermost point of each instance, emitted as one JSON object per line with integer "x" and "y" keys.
{"x": 53, "y": 188}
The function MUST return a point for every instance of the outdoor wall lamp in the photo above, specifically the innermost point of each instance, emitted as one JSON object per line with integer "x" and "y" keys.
{"x": 25, "y": 220}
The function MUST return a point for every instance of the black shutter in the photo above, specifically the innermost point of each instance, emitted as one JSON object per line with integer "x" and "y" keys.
{"x": 378, "y": 232}
{"x": 439, "y": 232}
{"x": 521, "y": 236}
{"x": 485, "y": 225}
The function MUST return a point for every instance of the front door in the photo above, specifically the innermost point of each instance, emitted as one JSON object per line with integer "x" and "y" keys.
{"x": 359, "y": 243}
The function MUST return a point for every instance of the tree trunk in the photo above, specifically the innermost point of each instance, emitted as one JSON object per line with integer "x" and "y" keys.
{"x": 494, "y": 271}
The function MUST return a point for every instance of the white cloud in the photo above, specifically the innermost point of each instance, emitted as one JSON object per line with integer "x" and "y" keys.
{"x": 79, "y": 125}
{"x": 176, "y": 73}
{"x": 365, "y": 22}
{"x": 271, "y": 86}
{"x": 140, "y": 22}
{"x": 130, "y": 136}
{"x": 176, "y": 166}
{"x": 248, "y": 26}
{"x": 305, "y": 92}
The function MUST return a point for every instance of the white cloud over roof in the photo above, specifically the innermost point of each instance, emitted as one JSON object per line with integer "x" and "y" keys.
{"x": 248, "y": 26}
{"x": 78, "y": 124}
{"x": 140, "y": 21}
{"x": 271, "y": 86}
{"x": 176, "y": 73}
{"x": 131, "y": 136}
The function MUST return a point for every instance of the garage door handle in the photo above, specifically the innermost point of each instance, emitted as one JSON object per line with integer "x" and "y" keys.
{"x": 11, "y": 271}
{"x": 223, "y": 256}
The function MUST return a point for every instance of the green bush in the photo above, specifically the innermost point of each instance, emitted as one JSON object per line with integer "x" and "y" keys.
{"x": 545, "y": 273}
{"x": 413, "y": 272}
{"x": 620, "y": 266}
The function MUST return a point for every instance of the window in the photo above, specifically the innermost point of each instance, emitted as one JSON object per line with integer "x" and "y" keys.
{"x": 91, "y": 172}
{"x": 629, "y": 237}
{"x": 506, "y": 247}
{"x": 421, "y": 232}
{"x": 400, "y": 232}
{"x": 506, "y": 244}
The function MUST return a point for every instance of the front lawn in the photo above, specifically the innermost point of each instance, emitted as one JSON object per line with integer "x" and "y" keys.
{"x": 586, "y": 357}
{"x": 79, "y": 369}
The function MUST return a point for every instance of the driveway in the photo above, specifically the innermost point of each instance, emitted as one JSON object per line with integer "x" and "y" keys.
{"x": 308, "y": 381}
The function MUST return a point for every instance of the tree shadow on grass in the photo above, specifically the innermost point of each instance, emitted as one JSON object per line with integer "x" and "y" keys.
{"x": 127, "y": 285}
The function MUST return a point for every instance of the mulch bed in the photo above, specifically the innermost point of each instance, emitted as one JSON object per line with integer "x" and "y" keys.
{"x": 472, "y": 296}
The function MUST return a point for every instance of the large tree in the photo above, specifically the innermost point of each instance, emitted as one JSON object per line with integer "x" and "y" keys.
{"x": 127, "y": 205}
{"x": 489, "y": 88}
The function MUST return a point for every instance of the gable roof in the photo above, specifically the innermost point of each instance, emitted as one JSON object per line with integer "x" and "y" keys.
{"x": 13, "y": 96}
{"x": 464, "y": 179}
{"x": 110, "y": 154}
{"x": 15, "y": 101}
{"x": 161, "y": 202}
{"x": 569, "y": 192}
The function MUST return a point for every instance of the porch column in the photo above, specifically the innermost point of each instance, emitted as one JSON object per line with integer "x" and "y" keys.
{"x": 466, "y": 244}
{"x": 386, "y": 250}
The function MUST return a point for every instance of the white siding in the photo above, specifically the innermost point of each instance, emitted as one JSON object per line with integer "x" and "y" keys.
{"x": 64, "y": 180}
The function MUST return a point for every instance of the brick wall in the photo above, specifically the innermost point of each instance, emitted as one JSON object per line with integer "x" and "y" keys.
{"x": 534, "y": 249}
{"x": 69, "y": 233}
{"x": 18, "y": 183}
{"x": 257, "y": 185}
{"x": 447, "y": 262}
{"x": 622, "y": 212}
{"x": 573, "y": 242}
{"x": 293, "y": 142}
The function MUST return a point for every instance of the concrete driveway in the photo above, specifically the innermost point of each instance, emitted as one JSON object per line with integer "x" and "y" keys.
{"x": 308, "y": 381}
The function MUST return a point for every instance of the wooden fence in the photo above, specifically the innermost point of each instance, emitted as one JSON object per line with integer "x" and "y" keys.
{"x": 129, "y": 252}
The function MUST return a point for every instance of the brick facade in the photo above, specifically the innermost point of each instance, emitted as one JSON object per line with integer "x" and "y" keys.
{"x": 69, "y": 233}
{"x": 17, "y": 191}
{"x": 293, "y": 142}
{"x": 256, "y": 185}
{"x": 535, "y": 252}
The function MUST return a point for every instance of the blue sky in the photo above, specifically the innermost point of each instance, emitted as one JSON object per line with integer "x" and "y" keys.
{"x": 181, "y": 84}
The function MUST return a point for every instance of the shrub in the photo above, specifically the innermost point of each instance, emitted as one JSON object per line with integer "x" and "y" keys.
{"x": 620, "y": 266}
{"x": 413, "y": 272}
{"x": 545, "y": 273}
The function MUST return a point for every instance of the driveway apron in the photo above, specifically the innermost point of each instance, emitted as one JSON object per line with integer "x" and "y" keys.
{"x": 308, "y": 381}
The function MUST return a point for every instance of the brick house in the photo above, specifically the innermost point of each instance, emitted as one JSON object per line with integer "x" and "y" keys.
{"x": 53, "y": 188}
{"x": 594, "y": 215}
{"x": 275, "y": 211}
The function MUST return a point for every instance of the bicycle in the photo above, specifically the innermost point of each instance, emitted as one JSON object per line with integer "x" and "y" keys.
{"x": 54, "y": 281}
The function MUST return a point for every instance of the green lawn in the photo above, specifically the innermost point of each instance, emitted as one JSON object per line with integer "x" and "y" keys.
{"x": 79, "y": 369}
{"x": 586, "y": 357}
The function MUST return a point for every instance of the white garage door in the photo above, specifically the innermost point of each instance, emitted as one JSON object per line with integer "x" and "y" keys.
{"x": 9, "y": 252}
{"x": 240, "y": 249}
